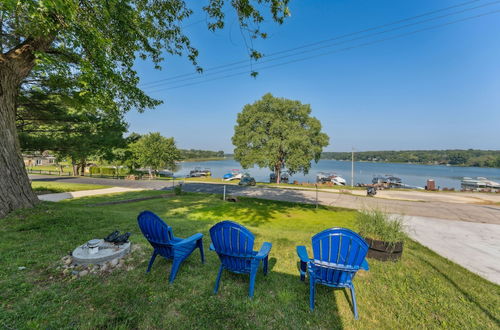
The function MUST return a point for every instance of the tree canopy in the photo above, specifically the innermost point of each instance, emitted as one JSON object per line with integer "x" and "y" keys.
{"x": 155, "y": 152}
{"x": 94, "y": 45}
{"x": 68, "y": 124}
{"x": 278, "y": 133}
{"x": 98, "y": 42}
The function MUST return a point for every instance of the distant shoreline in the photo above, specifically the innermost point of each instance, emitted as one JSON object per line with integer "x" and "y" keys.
{"x": 342, "y": 160}
{"x": 450, "y": 157}
{"x": 207, "y": 159}
{"x": 410, "y": 163}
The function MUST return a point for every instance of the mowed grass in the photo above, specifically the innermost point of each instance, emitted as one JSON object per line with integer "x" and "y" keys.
{"x": 57, "y": 187}
{"x": 55, "y": 168}
{"x": 423, "y": 290}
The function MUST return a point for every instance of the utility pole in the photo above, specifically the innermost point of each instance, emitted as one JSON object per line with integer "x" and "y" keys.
{"x": 352, "y": 168}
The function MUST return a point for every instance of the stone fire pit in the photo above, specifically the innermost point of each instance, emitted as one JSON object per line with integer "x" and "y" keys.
{"x": 96, "y": 256}
{"x": 97, "y": 252}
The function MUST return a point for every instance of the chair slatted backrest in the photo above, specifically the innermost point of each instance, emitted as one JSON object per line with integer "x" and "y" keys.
{"x": 338, "y": 254}
{"x": 157, "y": 232}
{"x": 234, "y": 245}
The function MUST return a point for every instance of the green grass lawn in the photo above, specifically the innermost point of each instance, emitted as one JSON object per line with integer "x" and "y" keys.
{"x": 66, "y": 168}
{"x": 423, "y": 290}
{"x": 57, "y": 187}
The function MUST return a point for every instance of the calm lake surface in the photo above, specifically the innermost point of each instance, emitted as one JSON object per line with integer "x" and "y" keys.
{"x": 411, "y": 174}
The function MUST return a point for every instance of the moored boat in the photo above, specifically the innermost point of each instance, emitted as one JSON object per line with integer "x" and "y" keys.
{"x": 235, "y": 174}
{"x": 199, "y": 172}
{"x": 480, "y": 183}
{"x": 325, "y": 177}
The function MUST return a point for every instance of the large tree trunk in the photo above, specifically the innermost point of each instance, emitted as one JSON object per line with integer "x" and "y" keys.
{"x": 277, "y": 172}
{"x": 82, "y": 168}
{"x": 15, "y": 187}
{"x": 15, "y": 65}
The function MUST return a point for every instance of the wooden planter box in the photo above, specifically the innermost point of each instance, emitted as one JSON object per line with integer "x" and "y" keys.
{"x": 384, "y": 251}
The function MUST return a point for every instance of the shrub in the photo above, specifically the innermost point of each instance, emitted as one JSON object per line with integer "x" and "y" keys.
{"x": 378, "y": 225}
{"x": 178, "y": 189}
{"x": 98, "y": 170}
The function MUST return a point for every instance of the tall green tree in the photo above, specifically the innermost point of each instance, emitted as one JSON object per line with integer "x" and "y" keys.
{"x": 96, "y": 43}
{"x": 155, "y": 152}
{"x": 278, "y": 133}
{"x": 121, "y": 155}
{"x": 67, "y": 123}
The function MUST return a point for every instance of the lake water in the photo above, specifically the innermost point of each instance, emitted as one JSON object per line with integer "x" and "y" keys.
{"x": 411, "y": 174}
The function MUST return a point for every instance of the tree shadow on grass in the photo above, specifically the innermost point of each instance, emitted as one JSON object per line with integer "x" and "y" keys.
{"x": 281, "y": 299}
{"x": 468, "y": 296}
{"x": 250, "y": 211}
{"x": 277, "y": 294}
{"x": 290, "y": 195}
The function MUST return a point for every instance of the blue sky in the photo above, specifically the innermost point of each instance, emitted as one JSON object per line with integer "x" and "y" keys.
{"x": 434, "y": 89}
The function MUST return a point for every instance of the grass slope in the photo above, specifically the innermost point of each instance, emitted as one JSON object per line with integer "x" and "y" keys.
{"x": 423, "y": 290}
{"x": 57, "y": 187}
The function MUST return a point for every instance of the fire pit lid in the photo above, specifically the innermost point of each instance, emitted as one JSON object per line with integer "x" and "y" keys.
{"x": 106, "y": 252}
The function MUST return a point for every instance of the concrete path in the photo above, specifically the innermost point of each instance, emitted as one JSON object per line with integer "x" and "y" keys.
{"x": 83, "y": 193}
{"x": 475, "y": 246}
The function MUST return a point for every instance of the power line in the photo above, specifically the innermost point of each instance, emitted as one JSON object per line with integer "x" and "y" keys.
{"x": 336, "y": 51}
{"x": 324, "y": 46}
{"x": 314, "y": 43}
{"x": 194, "y": 23}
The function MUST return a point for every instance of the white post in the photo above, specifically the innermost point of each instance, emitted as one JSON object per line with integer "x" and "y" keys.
{"x": 316, "y": 195}
{"x": 224, "y": 195}
{"x": 352, "y": 168}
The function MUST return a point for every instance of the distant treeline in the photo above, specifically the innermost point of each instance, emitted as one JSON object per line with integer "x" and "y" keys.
{"x": 471, "y": 157}
{"x": 199, "y": 154}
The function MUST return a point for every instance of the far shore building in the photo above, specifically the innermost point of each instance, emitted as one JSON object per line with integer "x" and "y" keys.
{"x": 31, "y": 160}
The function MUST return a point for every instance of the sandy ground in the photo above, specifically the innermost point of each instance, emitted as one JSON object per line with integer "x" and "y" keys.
{"x": 418, "y": 196}
{"x": 447, "y": 197}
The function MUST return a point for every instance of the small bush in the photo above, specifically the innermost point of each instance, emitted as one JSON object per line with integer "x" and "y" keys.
{"x": 378, "y": 225}
{"x": 111, "y": 171}
{"x": 178, "y": 189}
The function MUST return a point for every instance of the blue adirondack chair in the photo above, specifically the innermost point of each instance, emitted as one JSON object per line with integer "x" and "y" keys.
{"x": 234, "y": 246}
{"x": 338, "y": 254}
{"x": 161, "y": 237}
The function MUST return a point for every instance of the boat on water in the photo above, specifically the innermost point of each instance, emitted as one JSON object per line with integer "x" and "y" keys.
{"x": 480, "y": 183}
{"x": 391, "y": 181}
{"x": 199, "y": 172}
{"x": 387, "y": 180}
{"x": 235, "y": 174}
{"x": 326, "y": 177}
